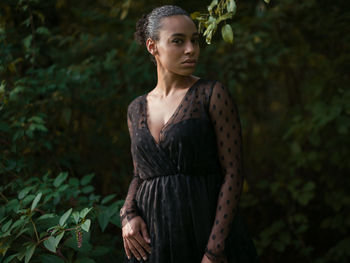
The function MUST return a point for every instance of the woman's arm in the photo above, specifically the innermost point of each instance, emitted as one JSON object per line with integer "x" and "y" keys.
{"x": 225, "y": 118}
{"x": 129, "y": 209}
{"x": 132, "y": 224}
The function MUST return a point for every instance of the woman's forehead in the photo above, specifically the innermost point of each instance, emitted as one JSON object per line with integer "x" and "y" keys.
{"x": 178, "y": 24}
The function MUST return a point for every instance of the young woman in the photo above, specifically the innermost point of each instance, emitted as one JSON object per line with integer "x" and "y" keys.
{"x": 186, "y": 144}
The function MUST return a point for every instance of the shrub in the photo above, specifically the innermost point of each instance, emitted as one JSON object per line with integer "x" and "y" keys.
{"x": 35, "y": 220}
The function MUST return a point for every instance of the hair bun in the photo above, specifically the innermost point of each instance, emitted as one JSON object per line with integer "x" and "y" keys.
{"x": 141, "y": 27}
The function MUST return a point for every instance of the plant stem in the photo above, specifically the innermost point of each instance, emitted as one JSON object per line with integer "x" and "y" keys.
{"x": 36, "y": 232}
{"x": 4, "y": 197}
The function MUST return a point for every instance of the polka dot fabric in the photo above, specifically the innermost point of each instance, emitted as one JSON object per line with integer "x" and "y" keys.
{"x": 129, "y": 210}
{"x": 225, "y": 118}
{"x": 187, "y": 184}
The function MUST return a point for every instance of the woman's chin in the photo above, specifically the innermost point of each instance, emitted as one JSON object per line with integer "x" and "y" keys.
{"x": 186, "y": 72}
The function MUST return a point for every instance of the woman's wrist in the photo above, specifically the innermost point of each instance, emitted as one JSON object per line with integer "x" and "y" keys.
{"x": 214, "y": 256}
{"x": 126, "y": 217}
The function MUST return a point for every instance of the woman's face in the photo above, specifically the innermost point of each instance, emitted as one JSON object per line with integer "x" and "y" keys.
{"x": 177, "y": 49}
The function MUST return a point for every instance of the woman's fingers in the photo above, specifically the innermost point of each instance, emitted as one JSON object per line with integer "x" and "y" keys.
{"x": 126, "y": 248}
{"x": 138, "y": 248}
{"x": 145, "y": 232}
{"x": 134, "y": 242}
{"x": 133, "y": 249}
{"x": 142, "y": 242}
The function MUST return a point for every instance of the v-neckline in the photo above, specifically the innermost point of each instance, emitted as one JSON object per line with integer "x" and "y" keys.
{"x": 171, "y": 117}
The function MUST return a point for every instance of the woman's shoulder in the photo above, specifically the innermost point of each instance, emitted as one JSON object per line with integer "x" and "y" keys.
{"x": 208, "y": 85}
{"x": 135, "y": 103}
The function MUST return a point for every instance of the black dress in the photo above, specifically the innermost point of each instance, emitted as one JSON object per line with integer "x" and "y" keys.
{"x": 187, "y": 186}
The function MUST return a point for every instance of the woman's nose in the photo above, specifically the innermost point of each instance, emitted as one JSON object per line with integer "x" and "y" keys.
{"x": 190, "y": 47}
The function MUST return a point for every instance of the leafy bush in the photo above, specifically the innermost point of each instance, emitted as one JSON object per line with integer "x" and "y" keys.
{"x": 37, "y": 226}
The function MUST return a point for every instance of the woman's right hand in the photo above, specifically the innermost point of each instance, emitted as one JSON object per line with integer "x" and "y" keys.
{"x": 134, "y": 242}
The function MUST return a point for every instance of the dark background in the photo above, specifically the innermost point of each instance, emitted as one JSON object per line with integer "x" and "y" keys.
{"x": 74, "y": 65}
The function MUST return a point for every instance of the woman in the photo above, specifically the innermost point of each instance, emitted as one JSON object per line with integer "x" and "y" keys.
{"x": 186, "y": 145}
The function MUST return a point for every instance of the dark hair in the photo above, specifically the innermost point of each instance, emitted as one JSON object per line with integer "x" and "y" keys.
{"x": 149, "y": 24}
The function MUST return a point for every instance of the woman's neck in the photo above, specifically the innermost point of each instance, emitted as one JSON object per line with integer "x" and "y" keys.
{"x": 169, "y": 82}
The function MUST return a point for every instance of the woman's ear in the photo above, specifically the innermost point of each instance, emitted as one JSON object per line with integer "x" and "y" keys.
{"x": 151, "y": 46}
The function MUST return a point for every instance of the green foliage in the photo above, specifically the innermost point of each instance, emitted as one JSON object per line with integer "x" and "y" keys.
{"x": 32, "y": 223}
{"x": 218, "y": 11}
{"x": 68, "y": 72}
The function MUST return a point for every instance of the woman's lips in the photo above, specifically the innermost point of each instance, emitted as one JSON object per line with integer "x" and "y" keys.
{"x": 190, "y": 62}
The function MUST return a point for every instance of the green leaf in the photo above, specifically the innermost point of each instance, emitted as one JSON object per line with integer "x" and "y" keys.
{"x": 124, "y": 13}
{"x": 43, "y": 30}
{"x": 50, "y": 244}
{"x": 63, "y": 187}
{"x": 267, "y": 1}
{"x": 41, "y": 127}
{"x": 86, "y": 179}
{"x": 212, "y": 5}
{"x": 208, "y": 33}
{"x": 103, "y": 219}
{"x": 13, "y": 205}
{"x": 84, "y": 212}
{"x": 65, "y": 216}
{"x": 60, "y": 179}
{"x": 86, "y": 225}
{"x": 73, "y": 181}
{"x": 22, "y": 232}
{"x": 76, "y": 217}
{"x": 29, "y": 253}
{"x": 227, "y": 33}
{"x": 87, "y": 189}
{"x": 107, "y": 198}
{"x": 46, "y": 216}
{"x": 22, "y": 252}
{"x": 28, "y": 199}
{"x": 36, "y": 119}
{"x": 36, "y": 201}
{"x": 58, "y": 238}
{"x": 5, "y": 234}
{"x": 8, "y": 259}
{"x": 194, "y": 15}
{"x": 231, "y": 6}
{"x": 23, "y": 193}
{"x": 18, "y": 223}
{"x": 6, "y": 226}
{"x": 116, "y": 221}
{"x": 27, "y": 41}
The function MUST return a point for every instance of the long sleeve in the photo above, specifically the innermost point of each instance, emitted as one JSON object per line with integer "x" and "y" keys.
{"x": 226, "y": 122}
{"x": 130, "y": 209}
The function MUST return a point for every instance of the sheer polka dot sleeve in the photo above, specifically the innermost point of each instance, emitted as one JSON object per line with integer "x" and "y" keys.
{"x": 226, "y": 122}
{"x": 130, "y": 209}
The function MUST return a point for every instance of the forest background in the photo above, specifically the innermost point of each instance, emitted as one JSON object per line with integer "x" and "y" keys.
{"x": 68, "y": 71}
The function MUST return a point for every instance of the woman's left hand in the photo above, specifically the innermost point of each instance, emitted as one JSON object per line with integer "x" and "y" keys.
{"x": 205, "y": 259}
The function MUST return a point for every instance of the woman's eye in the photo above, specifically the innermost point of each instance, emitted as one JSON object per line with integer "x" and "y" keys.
{"x": 177, "y": 41}
{"x": 195, "y": 40}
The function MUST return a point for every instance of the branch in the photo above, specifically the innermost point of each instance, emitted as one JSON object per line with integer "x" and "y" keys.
{"x": 4, "y": 197}
{"x": 36, "y": 232}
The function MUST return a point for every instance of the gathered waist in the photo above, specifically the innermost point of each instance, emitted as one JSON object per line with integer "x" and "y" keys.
{"x": 165, "y": 175}
{"x": 194, "y": 171}
{"x": 179, "y": 174}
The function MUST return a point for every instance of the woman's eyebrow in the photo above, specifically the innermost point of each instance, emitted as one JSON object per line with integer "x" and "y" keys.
{"x": 183, "y": 35}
